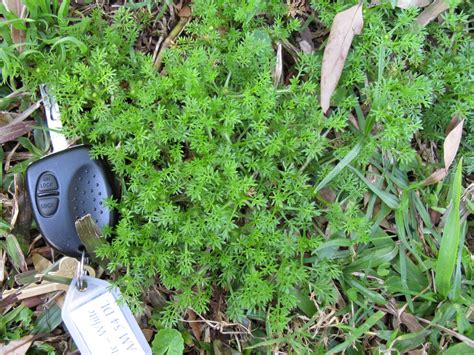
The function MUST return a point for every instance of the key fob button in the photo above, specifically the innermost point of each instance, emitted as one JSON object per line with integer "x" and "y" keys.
{"x": 48, "y": 206}
{"x": 47, "y": 182}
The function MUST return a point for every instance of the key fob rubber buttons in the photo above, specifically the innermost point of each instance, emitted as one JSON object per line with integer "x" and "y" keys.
{"x": 46, "y": 188}
{"x": 48, "y": 206}
{"x": 46, "y": 183}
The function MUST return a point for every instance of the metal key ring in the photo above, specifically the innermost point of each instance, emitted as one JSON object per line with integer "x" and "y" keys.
{"x": 81, "y": 284}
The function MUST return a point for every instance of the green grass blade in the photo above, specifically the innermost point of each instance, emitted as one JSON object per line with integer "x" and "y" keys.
{"x": 71, "y": 40}
{"x": 373, "y": 259}
{"x": 451, "y": 237}
{"x": 389, "y": 199}
{"x": 370, "y": 295}
{"x": 341, "y": 165}
{"x": 63, "y": 10}
{"x": 16, "y": 254}
{"x": 305, "y": 304}
{"x": 49, "y": 320}
{"x": 457, "y": 280}
{"x": 358, "y": 332}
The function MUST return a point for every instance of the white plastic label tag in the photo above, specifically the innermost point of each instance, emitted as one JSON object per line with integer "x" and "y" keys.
{"x": 97, "y": 324}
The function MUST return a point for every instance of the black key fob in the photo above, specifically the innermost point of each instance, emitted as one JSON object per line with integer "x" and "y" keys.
{"x": 63, "y": 187}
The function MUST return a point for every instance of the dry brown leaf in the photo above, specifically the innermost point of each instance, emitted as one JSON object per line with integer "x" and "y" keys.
{"x": 19, "y": 9}
{"x": 32, "y": 302}
{"x": 451, "y": 144}
{"x": 327, "y": 194}
{"x": 5, "y": 118}
{"x": 431, "y": 12}
{"x": 17, "y": 347}
{"x": 435, "y": 216}
{"x": 25, "y": 114}
{"x": 196, "y": 327}
{"x": 353, "y": 120}
{"x": 417, "y": 352}
{"x": 452, "y": 124}
{"x": 185, "y": 11}
{"x": 403, "y": 316}
{"x": 345, "y": 25}
{"x": 306, "y": 41}
{"x": 437, "y": 176}
{"x": 3, "y": 259}
{"x": 406, "y": 4}
{"x": 12, "y": 132}
{"x": 148, "y": 333}
{"x": 278, "y": 71}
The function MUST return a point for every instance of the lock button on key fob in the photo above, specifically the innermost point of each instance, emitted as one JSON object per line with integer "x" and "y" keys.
{"x": 64, "y": 187}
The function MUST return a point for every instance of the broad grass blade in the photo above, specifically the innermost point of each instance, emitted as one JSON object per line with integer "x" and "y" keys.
{"x": 389, "y": 199}
{"x": 15, "y": 253}
{"x": 374, "y": 258}
{"x": 451, "y": 237}
{"x": 341, "y": 165}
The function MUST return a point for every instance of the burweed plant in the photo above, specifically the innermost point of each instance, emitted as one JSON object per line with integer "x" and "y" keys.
{"x": 219, "y": 166}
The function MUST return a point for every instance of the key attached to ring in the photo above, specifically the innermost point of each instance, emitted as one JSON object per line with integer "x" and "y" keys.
{"x": 95, "y": 320}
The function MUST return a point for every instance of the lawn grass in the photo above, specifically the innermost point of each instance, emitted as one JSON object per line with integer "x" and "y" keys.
{"x": 251, "y": 220}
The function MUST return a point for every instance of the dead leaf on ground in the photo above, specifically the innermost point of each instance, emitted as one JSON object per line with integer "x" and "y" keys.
{"x": 305, "y": 41}
{"x": 12, "y": 132}
{"x": 345, "y": 26}
{"x": 22, "y": 226}
{"x": 451, "y": 147}
{"x": 435, "y": 216}
{"x": 405, "y": 4}
{"x": 403, "y": 316}
{"x": 32, "y": 302}
{"x": 17, "y": 347}
{"x": 328, "y": 194}
{"x": 451, "y": 144}
{"x": 353, "y": 120}
{"x": 437, "y": 176}
{"x": 20, "y": 117}
{"x": 417, "y": 352}
{"x": 185, "y": 11}
{"x": 278, "y": 71}
{"x": 19, "y": 9}
{"x": 148, "y": 333}
{"x": 196, "y": 327}
{"x": 431, "y": 12}
{"x": 3, "y": 257}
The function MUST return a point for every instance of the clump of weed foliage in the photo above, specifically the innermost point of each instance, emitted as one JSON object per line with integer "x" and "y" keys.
{"x": 219, "y": 166}
{"x": 211, "y": 155}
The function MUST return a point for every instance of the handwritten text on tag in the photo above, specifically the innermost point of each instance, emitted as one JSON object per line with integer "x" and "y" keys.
{"x": 104, "y": 327}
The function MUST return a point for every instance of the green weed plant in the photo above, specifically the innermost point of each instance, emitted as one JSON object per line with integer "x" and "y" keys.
{"x": 223, "y": 173}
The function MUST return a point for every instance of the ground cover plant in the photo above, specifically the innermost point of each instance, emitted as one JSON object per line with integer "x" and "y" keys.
{"x": 254, "y": 218}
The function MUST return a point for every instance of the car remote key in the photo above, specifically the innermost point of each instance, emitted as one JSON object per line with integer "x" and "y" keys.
{"x": 65, "y": 186}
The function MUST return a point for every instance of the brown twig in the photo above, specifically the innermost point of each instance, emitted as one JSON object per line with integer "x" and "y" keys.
{"x": 185, "y": 14}
{"x": 461, "y": 337}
